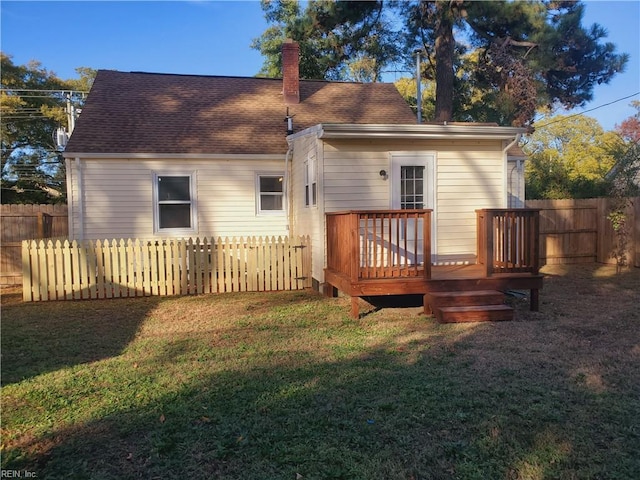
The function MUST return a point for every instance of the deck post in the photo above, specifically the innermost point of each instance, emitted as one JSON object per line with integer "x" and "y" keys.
{"x": 354, "y": 258}
{"x": 354, "y": 246}
{"x": 534, "y": 301}
{"x": 355, "y": 308}
{"x": 426, "y": 247}
{"x": 536, "y": 244}
{"x": 488, "y": 243}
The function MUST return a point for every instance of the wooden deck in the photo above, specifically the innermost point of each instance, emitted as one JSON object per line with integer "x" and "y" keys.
{"x": 443, "y": 279}
{"x": 365, "y": 258}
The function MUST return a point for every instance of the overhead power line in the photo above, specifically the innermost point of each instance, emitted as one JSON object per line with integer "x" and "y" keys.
{"x": 586, "y": 111}
{"x": 38, "y": 90}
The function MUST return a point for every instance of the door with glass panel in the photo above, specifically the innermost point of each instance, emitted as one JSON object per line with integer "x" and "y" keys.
{"x": 412, "y": 187}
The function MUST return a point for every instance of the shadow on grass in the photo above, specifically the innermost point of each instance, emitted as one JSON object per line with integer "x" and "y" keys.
{"x": 374, "y": 417}
{"x": 504, "y": 400}
{"x": 47, "y": 336}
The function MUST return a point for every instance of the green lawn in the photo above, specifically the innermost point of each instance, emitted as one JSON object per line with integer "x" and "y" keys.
{"x": 286, "y": 386}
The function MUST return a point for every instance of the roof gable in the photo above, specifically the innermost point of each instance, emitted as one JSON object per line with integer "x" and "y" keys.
{"x": 185, "y": 114}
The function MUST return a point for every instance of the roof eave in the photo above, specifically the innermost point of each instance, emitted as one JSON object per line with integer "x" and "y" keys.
{"x": 437, "y": 132}
{"x": 167, "y": 156}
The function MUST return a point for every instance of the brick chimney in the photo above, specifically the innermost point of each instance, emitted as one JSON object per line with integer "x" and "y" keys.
{"x": 290, "y": 72}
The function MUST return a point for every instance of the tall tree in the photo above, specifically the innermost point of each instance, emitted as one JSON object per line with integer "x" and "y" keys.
{"x": 493, "y": 61}
{"x": 33, "y": 104}
{"x": 343, "y": 40}
{"x": 532, "y": 53}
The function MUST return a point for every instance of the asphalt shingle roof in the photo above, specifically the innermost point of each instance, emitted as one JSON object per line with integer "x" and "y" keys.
{"x": 189, "y": 114}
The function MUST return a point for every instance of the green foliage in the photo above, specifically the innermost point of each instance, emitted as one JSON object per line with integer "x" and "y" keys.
{"x": 32, "y": 107}
{"x": 530, "y": 53}
{"x": 570, "y": 157}
{"x": 338, "y": 40}
{"x": 619, "y": 222}
{"x": 489, "y": 61}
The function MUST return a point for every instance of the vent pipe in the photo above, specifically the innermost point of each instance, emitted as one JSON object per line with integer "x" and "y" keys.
{"x": 289, "y": 119}
{"x": 418, "y": 52}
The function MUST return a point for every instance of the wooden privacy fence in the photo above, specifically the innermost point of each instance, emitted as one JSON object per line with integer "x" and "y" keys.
{"x": 58, "y": 269}
{"x": 578, "y": 231}
{"x": 22, "y": 222}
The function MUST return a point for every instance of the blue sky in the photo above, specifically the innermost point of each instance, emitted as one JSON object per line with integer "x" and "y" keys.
{"x": 214, "y": 37}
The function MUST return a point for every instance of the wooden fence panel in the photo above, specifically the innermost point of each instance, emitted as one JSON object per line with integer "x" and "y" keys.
{"x": 568, "y": 230}
{"x": 127, "y": 268}
{"x": 607, "y": 236}
{"x": 23, "y": 222}
{"x": 578, "y": 231}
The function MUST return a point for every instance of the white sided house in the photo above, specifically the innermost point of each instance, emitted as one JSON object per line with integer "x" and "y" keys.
{"x": 173, "y": 156}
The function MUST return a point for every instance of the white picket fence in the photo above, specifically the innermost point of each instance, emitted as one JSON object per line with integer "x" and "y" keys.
{"x": 56, "y": 269}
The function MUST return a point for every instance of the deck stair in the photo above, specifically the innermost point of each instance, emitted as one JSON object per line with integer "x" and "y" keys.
{"x": 467, "y": 306}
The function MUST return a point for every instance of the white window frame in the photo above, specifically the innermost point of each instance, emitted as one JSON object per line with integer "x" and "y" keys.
{"x": 192, "y": 202}
{"x": 311, "y": 181}
{"x": 259, "y": 210}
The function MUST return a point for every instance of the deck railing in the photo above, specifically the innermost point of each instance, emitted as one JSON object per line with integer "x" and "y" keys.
{"x": 375, "y": 244}
{"x": 508, "y": 240}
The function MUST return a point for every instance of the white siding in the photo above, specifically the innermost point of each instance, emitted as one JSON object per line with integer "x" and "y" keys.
{"x": 469, "y": 175}
{"x": 118, "y": 197}
{"x": 308, "y": 220}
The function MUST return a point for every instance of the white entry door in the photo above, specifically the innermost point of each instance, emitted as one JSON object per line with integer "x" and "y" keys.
{"x": 413, "y": 187}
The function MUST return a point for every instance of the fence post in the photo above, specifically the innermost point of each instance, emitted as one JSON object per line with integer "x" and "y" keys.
{"x": 40, "y": 217}
{"x": 27, "y": 285}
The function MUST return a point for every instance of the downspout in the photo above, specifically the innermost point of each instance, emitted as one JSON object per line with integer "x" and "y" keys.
{"x": 515, "y": 140}
{"x": 285, "y": 188}
{"x": 80, "y": 200}
{"x": 510, "y": 187}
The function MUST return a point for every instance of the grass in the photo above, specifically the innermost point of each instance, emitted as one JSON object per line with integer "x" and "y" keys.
{"x": 286, "y": 386}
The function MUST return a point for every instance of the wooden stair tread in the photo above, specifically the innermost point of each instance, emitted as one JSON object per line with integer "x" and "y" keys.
{"x": 465, "y": 298}
{"x": 477, "y": 308}
{"x": 474, "y": 313}
{"x": 465, "y": 293}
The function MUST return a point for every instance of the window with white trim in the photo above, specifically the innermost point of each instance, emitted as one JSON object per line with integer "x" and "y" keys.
{"x": 270, "y": 194}
{"x": 174, "y": 204}
{"x": 310, "y": 181}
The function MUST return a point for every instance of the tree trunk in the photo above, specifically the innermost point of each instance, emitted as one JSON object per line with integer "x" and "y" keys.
{"x": 445, "y": 48}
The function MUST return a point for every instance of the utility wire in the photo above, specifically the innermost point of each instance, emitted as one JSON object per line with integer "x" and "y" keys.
{"x": 585, "y": 111}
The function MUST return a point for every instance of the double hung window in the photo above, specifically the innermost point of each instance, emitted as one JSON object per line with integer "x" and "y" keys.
{"x": 311, "y": 181}
{"x": 174, "y": 203}
{"x": 270, "y": 194}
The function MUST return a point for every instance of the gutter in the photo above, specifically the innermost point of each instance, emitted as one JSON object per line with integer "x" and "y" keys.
{"x": 425, "y": 131}
{"x": 173, "y": 156}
